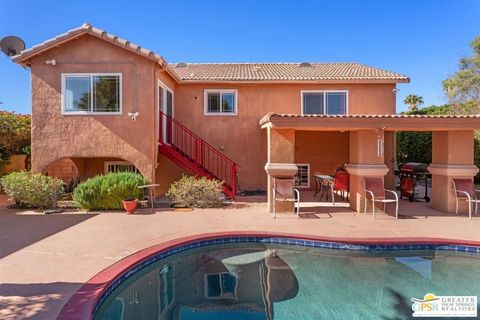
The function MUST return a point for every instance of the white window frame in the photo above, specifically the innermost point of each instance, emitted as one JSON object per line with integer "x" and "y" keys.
{"x": 117, "y": 163}
{"x": 164, "y": 287}
{"x": 163, "y": 107}
{"x": 205, "y": 102}
{"x": 324, "y": 99}
{"x": 73, "y": 113}
{"x": 222, "y": 295}
{"x": 122, "y": 302}
{"x": 308, "y": 175}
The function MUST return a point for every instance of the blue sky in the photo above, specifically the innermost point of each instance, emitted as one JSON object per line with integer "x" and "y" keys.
{"x": 422, "y": 39}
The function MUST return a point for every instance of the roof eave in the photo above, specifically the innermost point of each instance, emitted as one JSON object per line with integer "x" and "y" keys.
{"x": 388, "y": 122}
{"x": 86, "y": 29}
{"x": 329, "y": 81}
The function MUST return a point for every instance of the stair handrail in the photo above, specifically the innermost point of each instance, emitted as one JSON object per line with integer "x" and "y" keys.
{"x": 234, "y": 166}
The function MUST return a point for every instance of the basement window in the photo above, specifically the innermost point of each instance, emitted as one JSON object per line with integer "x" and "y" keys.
{"x": 220, "y": 102}
{"x": 120, "y": 166}
{"x": 97, "y": 93}
{"x": 324, "y": 102}
{"x": 302, "y": 179}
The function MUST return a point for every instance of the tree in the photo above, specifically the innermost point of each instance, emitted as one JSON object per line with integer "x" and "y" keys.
{"x": 464, "y": 85}
{"x": 413, "y": 101}
{"x": 413, "y": 146}
{"x": 14, "y": 133}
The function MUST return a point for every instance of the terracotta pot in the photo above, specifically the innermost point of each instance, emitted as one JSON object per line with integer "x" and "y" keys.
{"x": 130, "y": 205}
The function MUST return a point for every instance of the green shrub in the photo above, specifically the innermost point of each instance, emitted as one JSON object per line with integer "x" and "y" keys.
{"x": 414, "y": 146}
{"x": 196, "y": 192}
{"x": 107, "y": 191}
{"x": 33, "y": 190}
{"x": 14, "y": 134}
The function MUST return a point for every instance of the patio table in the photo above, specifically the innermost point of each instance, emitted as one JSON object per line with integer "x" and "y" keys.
{"x": 321, "y": 181}
{"x": 150, "y": 188}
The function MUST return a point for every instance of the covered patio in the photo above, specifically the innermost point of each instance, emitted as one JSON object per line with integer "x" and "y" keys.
{"x": 41, "y": 267}
{"x": 370, "y": 149}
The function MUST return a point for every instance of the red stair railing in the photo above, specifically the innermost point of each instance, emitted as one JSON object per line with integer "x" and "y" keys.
{"x": 199, "y": 152}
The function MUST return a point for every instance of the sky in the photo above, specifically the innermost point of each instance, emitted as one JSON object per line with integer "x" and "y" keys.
{"x": 421, "y": 39}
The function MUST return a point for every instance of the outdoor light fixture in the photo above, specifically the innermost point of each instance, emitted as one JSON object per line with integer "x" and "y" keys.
{"x": 52, "y": 62}
{"x": 395, "y": 90}
{"x": 133, "y": 115}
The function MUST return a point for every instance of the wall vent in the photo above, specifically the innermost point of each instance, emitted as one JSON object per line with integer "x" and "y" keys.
{"x": 305, "y": 65}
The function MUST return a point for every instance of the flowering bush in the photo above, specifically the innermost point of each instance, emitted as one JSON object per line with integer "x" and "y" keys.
{"x": 33, "y": 190}
{"x": 14, "y": 135}
{"x": 196, "y": 192}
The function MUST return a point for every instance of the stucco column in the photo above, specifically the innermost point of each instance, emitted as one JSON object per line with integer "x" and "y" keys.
{"x": 365, "y": 161}
{"x": 452, "y": 157}
{"x": 281, "y": 150}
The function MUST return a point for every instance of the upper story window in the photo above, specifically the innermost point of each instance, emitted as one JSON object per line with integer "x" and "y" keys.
{"x": 324, "y": 102}
{"x": 92, "y": 93}
{"x": 220, "y": 102}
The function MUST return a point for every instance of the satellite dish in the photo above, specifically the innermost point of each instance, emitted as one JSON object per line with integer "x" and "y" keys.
{"x": 12, "y": 45}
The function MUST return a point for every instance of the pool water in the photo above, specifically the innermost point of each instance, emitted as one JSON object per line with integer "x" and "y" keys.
{"x": 269, "y": 281}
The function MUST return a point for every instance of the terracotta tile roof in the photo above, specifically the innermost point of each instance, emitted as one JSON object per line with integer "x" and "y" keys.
{"x": 290, "y": 72}
{"x": 87, "y": 29}
{"x": 268, "y": 117}
{"x": 342, "y": 71}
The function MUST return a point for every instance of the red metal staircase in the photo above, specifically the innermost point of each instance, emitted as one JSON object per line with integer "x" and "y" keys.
{"x": 195, "y": 155}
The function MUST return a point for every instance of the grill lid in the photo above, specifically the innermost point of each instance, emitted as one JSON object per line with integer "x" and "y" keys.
{"x": 414, "y": 167}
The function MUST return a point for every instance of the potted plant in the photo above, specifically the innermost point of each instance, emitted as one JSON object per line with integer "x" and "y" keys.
{"x": 130, "y": 203}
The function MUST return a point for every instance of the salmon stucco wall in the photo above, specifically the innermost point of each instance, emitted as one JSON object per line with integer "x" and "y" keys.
{"x": 240, "y": 135}
{"x": 56, "y": 136}
{"x": 166, "y": 173}
{"x": 324, "y": 151}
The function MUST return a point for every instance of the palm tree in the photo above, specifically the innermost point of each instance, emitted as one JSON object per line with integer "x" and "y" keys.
{"x": 413, "y": 101}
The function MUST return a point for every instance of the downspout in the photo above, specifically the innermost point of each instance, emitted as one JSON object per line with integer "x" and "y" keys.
{"x": 154, "y": 119}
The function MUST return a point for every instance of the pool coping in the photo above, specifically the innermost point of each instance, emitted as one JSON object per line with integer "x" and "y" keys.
{"x": 83, "y": 302}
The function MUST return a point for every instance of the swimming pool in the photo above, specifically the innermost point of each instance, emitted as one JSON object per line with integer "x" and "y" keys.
{"x": 284, "y": 278}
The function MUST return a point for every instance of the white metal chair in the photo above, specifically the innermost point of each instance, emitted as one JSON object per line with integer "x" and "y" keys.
{"x": 375, "y": 192}
{"x": 464, "y": 190}
{"x": 284, "y": 190}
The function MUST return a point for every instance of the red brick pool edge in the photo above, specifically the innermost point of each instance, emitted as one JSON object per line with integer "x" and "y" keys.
{"x": 82, "y": 304}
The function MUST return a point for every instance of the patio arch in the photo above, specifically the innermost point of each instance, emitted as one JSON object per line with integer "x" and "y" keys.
{"x": 66, "y": 169}
{"x": 143, "y": 165}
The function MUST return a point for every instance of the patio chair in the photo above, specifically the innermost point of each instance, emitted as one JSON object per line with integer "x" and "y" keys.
{"x": 284, "y": 190}
{"x": 340, "y": 183}
{"x": 375, "y": 192}
{"x": 464, "y": 190}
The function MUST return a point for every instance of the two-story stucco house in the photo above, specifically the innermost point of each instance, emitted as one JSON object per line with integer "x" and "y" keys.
{"x": 107, "y": 104}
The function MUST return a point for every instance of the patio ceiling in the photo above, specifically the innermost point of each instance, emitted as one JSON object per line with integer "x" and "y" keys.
{"x": 394, "y": 122}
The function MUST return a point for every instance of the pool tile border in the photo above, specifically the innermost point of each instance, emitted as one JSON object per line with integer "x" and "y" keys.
{"x": 84, "y": 303}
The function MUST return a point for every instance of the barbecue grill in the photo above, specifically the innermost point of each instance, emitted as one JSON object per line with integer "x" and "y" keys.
{"x": 410, "y": 174}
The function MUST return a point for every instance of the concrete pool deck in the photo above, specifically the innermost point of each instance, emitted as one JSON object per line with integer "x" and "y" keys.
{"x": 44, "y": 259}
